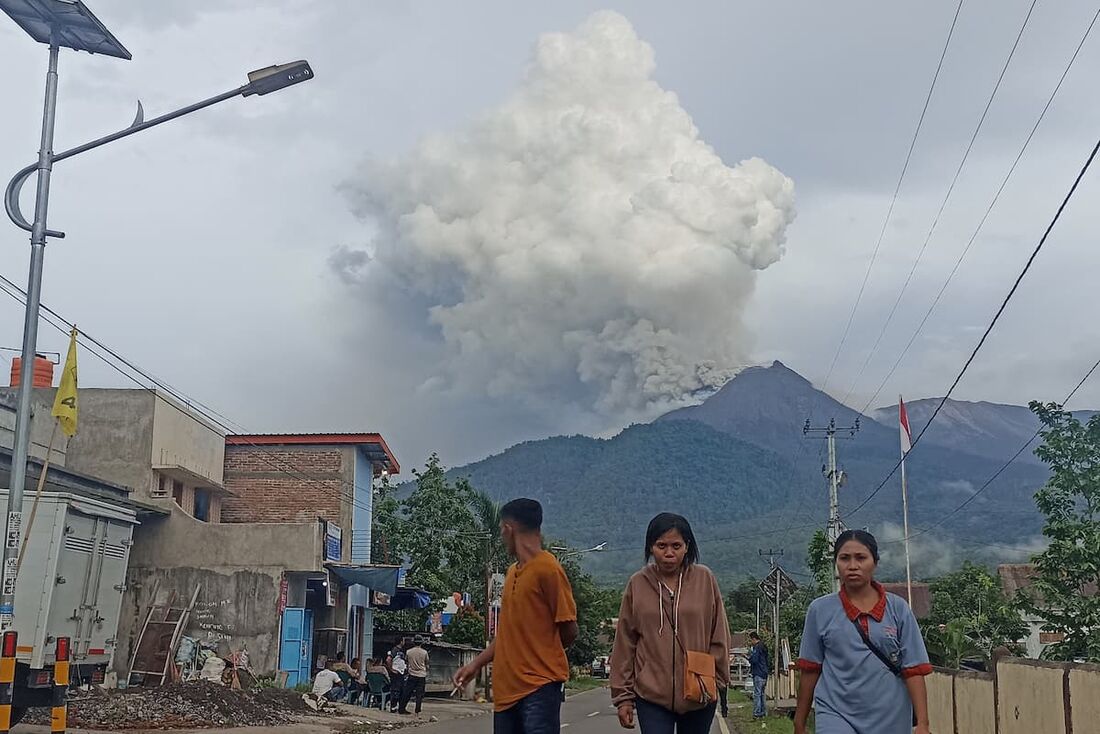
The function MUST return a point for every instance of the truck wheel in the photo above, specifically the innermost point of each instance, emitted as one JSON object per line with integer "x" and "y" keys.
{"x": 17, "y": 714}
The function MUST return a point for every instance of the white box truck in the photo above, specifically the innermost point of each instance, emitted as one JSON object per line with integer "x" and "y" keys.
{"x": 70, "y": 584}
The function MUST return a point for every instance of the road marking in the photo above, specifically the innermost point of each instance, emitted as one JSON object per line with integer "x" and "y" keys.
{"x": 722, "y": 725}
{"x": 564, "y": 725}
{"x": 594, "y": 713}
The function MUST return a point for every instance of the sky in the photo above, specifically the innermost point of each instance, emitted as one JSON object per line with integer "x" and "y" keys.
{"x": 491, "y": 222}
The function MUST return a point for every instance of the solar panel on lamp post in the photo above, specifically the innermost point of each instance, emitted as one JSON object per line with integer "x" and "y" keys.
{"x": 70, "y": 24}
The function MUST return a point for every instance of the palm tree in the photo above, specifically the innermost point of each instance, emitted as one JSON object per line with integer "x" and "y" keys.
{"x": 487, "y": 514}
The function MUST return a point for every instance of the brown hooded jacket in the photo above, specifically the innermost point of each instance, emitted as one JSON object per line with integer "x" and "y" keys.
{"x": 646, "y": 661}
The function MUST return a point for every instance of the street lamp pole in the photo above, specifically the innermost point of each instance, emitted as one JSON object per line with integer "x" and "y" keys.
{"x": 69, "y": 23}
{"x": 20, "y": 449}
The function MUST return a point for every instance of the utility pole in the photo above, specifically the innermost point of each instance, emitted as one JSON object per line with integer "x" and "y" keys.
{"x": 771, "y": 556}
{"x": 833, "y": 475}
{"x": 488, "y": 589}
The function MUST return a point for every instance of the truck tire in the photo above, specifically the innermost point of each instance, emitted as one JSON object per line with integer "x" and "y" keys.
{"x": 17, "y": 714}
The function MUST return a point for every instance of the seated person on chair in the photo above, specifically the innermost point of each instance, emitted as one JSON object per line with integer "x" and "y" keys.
{"x": 328, "y": 684}
{"x": 376, "y": 666}
{"x": 356, "y": 686}
{"x": 377, "y": 686}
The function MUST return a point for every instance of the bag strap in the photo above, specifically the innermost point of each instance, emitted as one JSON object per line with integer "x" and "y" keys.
{"x": 894, "y": 668}
{"x": 672, "y": 624}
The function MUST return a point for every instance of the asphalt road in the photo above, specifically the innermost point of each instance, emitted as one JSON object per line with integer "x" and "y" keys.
{"x": 585, "y": 713}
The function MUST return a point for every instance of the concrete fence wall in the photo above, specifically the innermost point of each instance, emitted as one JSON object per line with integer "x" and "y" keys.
{"x": 1018, "y": 697}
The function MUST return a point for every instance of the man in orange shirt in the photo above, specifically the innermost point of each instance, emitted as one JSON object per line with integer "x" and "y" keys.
{"x": 538, "y": 620}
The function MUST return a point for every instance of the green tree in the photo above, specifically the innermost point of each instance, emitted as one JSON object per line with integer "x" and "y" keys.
{"x": 466, "y": 628}
{"x": 436, "y": 533}
{"x": 741, "y": 605}
{"x": 819, "y": 557}
{"x": 792, "y": 615}
{"x": 1069, "y": 569}
{"x": 440, "y": 537}
{"x": 970, "y": 602}
{"x": 951, "y": 643}
{"x": 494, "y": 556}
{"x": 385, "y": 524}
{"x": 596, "y": 607}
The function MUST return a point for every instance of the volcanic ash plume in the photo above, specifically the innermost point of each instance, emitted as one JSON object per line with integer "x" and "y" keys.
{"x": 579, "y": 244}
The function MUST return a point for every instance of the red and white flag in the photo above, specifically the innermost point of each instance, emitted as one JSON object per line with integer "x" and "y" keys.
{"x": 906, "y": 434}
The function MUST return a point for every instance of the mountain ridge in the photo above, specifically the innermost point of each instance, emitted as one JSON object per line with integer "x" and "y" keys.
{"x": 740, "y": 468}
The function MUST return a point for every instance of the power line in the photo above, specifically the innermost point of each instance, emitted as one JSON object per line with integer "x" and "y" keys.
{"x": 993, "y": 323}
{"x": 985, "y": 216}
{"x": 1007, "y": 464}
{"x": 894, "y": 199}
{"x": 943, "y": 204}
{"x": 98, "y": 348}
{"x": 727, "y": 539}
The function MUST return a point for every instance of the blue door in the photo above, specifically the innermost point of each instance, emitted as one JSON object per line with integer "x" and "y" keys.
{"x": 296, "y": 645}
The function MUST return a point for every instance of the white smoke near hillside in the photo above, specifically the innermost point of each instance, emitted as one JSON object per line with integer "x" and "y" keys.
{"x": 935, "y": 554}
{"x": 580, "y": 243}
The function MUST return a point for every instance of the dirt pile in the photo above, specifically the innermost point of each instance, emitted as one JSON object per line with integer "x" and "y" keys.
{"x": 183, "y": 705}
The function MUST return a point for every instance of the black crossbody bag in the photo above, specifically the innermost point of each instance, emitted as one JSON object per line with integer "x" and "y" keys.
{"x": 894, "y": 667}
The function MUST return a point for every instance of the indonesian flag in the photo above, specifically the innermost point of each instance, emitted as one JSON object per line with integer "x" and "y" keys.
{"x": 906, "y": 434}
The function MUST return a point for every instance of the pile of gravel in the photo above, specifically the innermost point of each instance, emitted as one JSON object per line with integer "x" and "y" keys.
{"x": 180, "y": 706}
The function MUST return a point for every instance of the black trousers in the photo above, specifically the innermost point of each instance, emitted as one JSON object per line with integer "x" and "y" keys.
{"x": 414, "y": 689}
{"x": 654, "y": 719}
{"x": 397, "y": 690}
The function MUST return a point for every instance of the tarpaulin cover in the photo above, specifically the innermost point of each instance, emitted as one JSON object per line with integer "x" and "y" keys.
{"x": 377, "y": 578}
{"x": 406, "y": 598}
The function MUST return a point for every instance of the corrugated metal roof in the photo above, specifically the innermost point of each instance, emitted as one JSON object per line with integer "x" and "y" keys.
{"x": 1018, "y": 576}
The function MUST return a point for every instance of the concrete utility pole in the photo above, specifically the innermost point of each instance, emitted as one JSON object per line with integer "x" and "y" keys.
{"x": 834, "y": 476}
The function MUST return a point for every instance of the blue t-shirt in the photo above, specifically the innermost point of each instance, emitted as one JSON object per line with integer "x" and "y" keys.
{"x": 857, "y": 693}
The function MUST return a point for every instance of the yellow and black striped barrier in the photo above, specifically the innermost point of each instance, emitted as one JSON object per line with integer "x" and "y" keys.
{"x": 59, "y": 713}
{"x": 7, "y": 678}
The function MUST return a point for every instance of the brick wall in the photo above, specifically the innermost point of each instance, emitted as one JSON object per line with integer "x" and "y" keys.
{"x": 283, "y": 484}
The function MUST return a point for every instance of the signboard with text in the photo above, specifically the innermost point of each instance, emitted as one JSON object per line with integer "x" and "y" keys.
{"x": 334, "y": 537}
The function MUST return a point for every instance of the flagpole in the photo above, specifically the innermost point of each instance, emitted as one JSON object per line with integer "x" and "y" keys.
{"x": 906, "y": 445}
{"x": 37, "y": 497}
{"x": 905, "y": 519}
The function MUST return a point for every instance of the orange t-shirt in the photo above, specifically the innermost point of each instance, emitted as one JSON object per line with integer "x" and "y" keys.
{"x": 529, "y": 655}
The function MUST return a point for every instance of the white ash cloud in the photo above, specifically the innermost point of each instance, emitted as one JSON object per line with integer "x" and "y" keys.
{"x": 580, "y": 243}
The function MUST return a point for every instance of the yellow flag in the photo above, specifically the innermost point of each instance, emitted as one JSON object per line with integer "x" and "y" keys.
{"x": 64, "y": 405}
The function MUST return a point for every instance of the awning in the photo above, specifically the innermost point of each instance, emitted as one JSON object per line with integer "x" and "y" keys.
{"x": 376, "y": 578}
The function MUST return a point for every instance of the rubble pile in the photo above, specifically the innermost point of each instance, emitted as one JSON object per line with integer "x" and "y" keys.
{"x": 192, "y": 705}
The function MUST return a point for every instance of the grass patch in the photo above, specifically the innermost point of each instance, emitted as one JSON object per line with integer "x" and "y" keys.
{"x": 583, "y": 683}
{"x": 742, "y": 722}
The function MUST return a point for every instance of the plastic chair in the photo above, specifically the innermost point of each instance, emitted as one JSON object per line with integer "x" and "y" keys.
{"x": 345, "y": 683}
{"x": 376, "y": 689}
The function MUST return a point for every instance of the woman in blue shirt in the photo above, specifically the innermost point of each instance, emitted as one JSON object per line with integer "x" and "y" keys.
{"x": 853, "y": 690}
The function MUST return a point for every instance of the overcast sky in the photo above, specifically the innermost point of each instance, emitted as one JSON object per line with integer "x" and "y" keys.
{"x": 258, "y": 256}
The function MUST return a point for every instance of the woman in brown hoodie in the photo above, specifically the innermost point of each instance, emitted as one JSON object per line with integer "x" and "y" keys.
{"x": 670, "y": 607}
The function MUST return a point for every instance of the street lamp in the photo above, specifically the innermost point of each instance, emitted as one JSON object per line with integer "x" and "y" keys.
{"x": 70, "y": 24}
{"x": 566, "y": 552}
